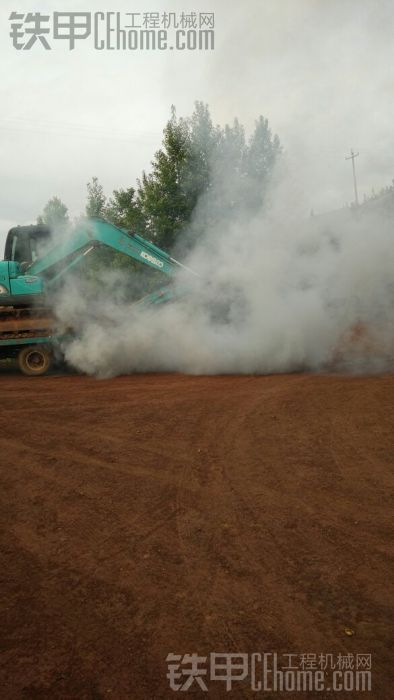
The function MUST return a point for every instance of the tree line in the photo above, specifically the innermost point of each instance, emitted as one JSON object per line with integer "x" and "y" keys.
{"x": 197, "y": 162}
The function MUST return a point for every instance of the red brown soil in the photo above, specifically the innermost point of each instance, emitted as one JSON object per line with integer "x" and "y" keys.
{"x": 145, "y": 515}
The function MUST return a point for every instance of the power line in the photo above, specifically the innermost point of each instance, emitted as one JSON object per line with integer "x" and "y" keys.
{"x": 95, "y": 131}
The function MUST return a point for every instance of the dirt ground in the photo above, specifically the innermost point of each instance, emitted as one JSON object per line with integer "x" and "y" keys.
{"x": 146, "y": 515}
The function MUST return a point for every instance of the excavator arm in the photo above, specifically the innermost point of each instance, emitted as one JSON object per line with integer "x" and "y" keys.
{"x": 20, "y": 282}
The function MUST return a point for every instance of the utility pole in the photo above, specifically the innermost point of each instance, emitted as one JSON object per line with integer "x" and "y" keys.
{"x": 352, "y": 157}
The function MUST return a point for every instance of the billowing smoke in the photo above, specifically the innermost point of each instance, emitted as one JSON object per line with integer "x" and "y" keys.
{"x": 277, "y": 291}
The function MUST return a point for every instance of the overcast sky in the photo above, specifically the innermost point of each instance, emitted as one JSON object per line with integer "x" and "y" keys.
{"x": 321, "y": 72}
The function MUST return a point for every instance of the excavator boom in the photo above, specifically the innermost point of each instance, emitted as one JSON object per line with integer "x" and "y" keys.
{"x": 21, "y": 280}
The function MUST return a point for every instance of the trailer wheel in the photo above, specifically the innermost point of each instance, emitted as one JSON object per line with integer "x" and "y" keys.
{"x": 34, "y": 360}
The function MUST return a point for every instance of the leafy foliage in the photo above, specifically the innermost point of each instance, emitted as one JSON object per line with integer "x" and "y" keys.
{"x": 55, "y": 214}
{"x": 95, "y": 205}
{"x": 124, "y": 210}
{"x": 202, "y": 174}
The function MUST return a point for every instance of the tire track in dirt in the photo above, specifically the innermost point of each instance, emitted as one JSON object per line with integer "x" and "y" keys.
{"x": 151, "y": 514}
{"x": 226, "y": 430}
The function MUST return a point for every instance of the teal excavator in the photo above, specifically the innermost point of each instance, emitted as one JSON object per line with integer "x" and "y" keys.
{"x": 36, "y": 262}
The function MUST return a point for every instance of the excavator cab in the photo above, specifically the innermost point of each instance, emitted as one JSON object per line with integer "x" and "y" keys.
{"x": 24, "y": 243}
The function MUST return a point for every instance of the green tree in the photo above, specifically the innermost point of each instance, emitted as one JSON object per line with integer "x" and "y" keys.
{"x": 201, "y": 176}
{"x": 226, "y": 192}
{"x": 95, "y": 205}
{"x": 123, "y": 210}
{"x": 205, "y": 139}
{"x": 240, "y": 174}
{"x": 263, "y": 152}
{"x": 162, "y": 197}
{"x": 55, "y": 214}
{"x": 181, "y": 172}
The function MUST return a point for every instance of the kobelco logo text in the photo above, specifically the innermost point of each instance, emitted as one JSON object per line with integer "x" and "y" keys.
{"x": 151, "y": 259}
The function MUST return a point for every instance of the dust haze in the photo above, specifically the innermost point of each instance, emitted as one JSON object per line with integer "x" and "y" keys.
{"x": 275, "y": 292}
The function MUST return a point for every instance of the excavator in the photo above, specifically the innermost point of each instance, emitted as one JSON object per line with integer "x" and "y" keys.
{"x": 35, "y": 263}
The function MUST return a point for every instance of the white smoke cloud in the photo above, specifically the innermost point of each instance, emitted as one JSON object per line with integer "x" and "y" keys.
{"x": 277, "y": 292}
